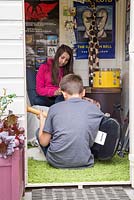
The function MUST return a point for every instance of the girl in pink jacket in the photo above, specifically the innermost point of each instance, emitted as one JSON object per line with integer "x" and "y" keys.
{"x": 50, "y": 74}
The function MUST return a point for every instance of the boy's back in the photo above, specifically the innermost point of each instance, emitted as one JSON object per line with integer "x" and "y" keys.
{"x": 74, "y": 124}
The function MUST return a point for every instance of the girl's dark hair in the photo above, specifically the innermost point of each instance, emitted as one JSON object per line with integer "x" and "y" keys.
{"x": 68, "y": 68}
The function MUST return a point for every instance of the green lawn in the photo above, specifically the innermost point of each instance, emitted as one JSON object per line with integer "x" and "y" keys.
{"x": 116, "y": 169}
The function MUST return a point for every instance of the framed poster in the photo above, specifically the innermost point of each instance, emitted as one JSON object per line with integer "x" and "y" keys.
{"x": 105, "y": 21}
{"x": 42, "y": 29}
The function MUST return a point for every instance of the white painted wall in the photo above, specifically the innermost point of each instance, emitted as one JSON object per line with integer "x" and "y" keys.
{"x": 12, "y": 56}
{"x": 131, "y": 91}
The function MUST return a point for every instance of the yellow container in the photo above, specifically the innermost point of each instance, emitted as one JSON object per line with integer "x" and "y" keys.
{"x": 107, "y": 78}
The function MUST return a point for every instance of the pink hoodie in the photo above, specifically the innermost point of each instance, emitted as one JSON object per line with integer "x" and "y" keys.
{"x": 44, "y": 86}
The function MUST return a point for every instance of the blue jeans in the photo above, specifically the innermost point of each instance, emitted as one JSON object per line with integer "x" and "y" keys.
{"x": 47, "y": 101}
{"x": 44, "y": 149}
{"x": 44, "y": 101}
{"x": 59, "y": 98}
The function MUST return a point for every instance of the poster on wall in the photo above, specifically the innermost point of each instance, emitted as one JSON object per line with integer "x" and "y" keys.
{"x": 105, "y": 20}
{"x": 127, "y": 32}
{"x": 42, "y": 30}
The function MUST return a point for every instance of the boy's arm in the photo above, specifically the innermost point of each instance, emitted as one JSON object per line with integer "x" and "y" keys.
{"x": 44, "y": 137}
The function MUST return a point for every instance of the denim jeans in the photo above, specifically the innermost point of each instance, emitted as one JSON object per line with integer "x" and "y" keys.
{"x": 47, "y": 101}
{"x": 59, "y": 98}
{"x": 44, "y": 101}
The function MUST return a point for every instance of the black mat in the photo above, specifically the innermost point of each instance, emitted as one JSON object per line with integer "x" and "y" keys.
{"x": 90, "y": 193}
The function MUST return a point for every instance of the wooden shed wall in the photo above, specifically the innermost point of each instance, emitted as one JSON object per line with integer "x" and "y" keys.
{"x": 12, "y": 54}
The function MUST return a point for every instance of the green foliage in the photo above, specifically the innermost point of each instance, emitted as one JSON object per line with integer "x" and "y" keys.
{"x": 116, "y": 169}
{"x": 5, "y": 100}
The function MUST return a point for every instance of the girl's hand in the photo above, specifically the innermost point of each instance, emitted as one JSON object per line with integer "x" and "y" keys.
{"x": 57, "y": 92}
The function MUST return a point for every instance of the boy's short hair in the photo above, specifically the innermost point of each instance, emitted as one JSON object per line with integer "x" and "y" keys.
{"x": 72, "y": 84}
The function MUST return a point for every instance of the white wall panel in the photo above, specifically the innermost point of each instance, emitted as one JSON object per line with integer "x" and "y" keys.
{"x": 10, "y": 10}
{"x": 18, "y": 106}
{"x": 12, "y": 57}
{"x": 12, "y": 62}
{"x": 12, "y": 86}
{"x": 131, "y": 93}
{"x": 11, "y": 49}
{"x": 11, "y": 30}
{"x": 11, "y": 68}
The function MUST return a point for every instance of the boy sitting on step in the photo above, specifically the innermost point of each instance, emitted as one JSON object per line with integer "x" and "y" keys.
{"x": 70, "y": 128}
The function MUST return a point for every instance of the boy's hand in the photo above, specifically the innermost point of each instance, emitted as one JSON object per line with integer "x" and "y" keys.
{"x": 42, "y": 119}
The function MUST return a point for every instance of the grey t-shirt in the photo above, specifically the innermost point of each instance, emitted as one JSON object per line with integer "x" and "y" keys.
{"x": 74, "y": 124}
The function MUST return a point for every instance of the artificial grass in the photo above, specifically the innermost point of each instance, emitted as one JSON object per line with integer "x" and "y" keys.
{"x": 116, "y": 169}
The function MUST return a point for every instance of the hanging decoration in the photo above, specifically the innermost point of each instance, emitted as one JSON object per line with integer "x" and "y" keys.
{"x": 92, "y": 32}
{"x": 69, "y": 24}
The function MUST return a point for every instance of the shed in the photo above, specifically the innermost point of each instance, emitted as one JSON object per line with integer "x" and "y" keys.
{"x": 13, "y": 59}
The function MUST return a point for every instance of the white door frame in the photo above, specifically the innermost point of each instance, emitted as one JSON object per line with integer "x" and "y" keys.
{"x": 131, "y": 92}
{"x": 131, "y": 119}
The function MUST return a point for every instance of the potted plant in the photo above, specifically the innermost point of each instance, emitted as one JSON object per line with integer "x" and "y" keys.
{"x": 11, "y": 152}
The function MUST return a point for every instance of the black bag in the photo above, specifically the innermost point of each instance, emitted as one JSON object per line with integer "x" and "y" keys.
{"x": 108, "y": 150}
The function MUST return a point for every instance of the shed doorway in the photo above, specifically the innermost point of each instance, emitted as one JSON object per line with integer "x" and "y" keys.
{"x": 30, "y": 54}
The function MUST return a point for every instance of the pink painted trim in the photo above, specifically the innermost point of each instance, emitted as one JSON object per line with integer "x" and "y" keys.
{"x": 12, "y": 176}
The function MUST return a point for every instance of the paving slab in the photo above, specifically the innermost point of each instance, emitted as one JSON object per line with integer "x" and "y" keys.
{"x": 87, "y": 193}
